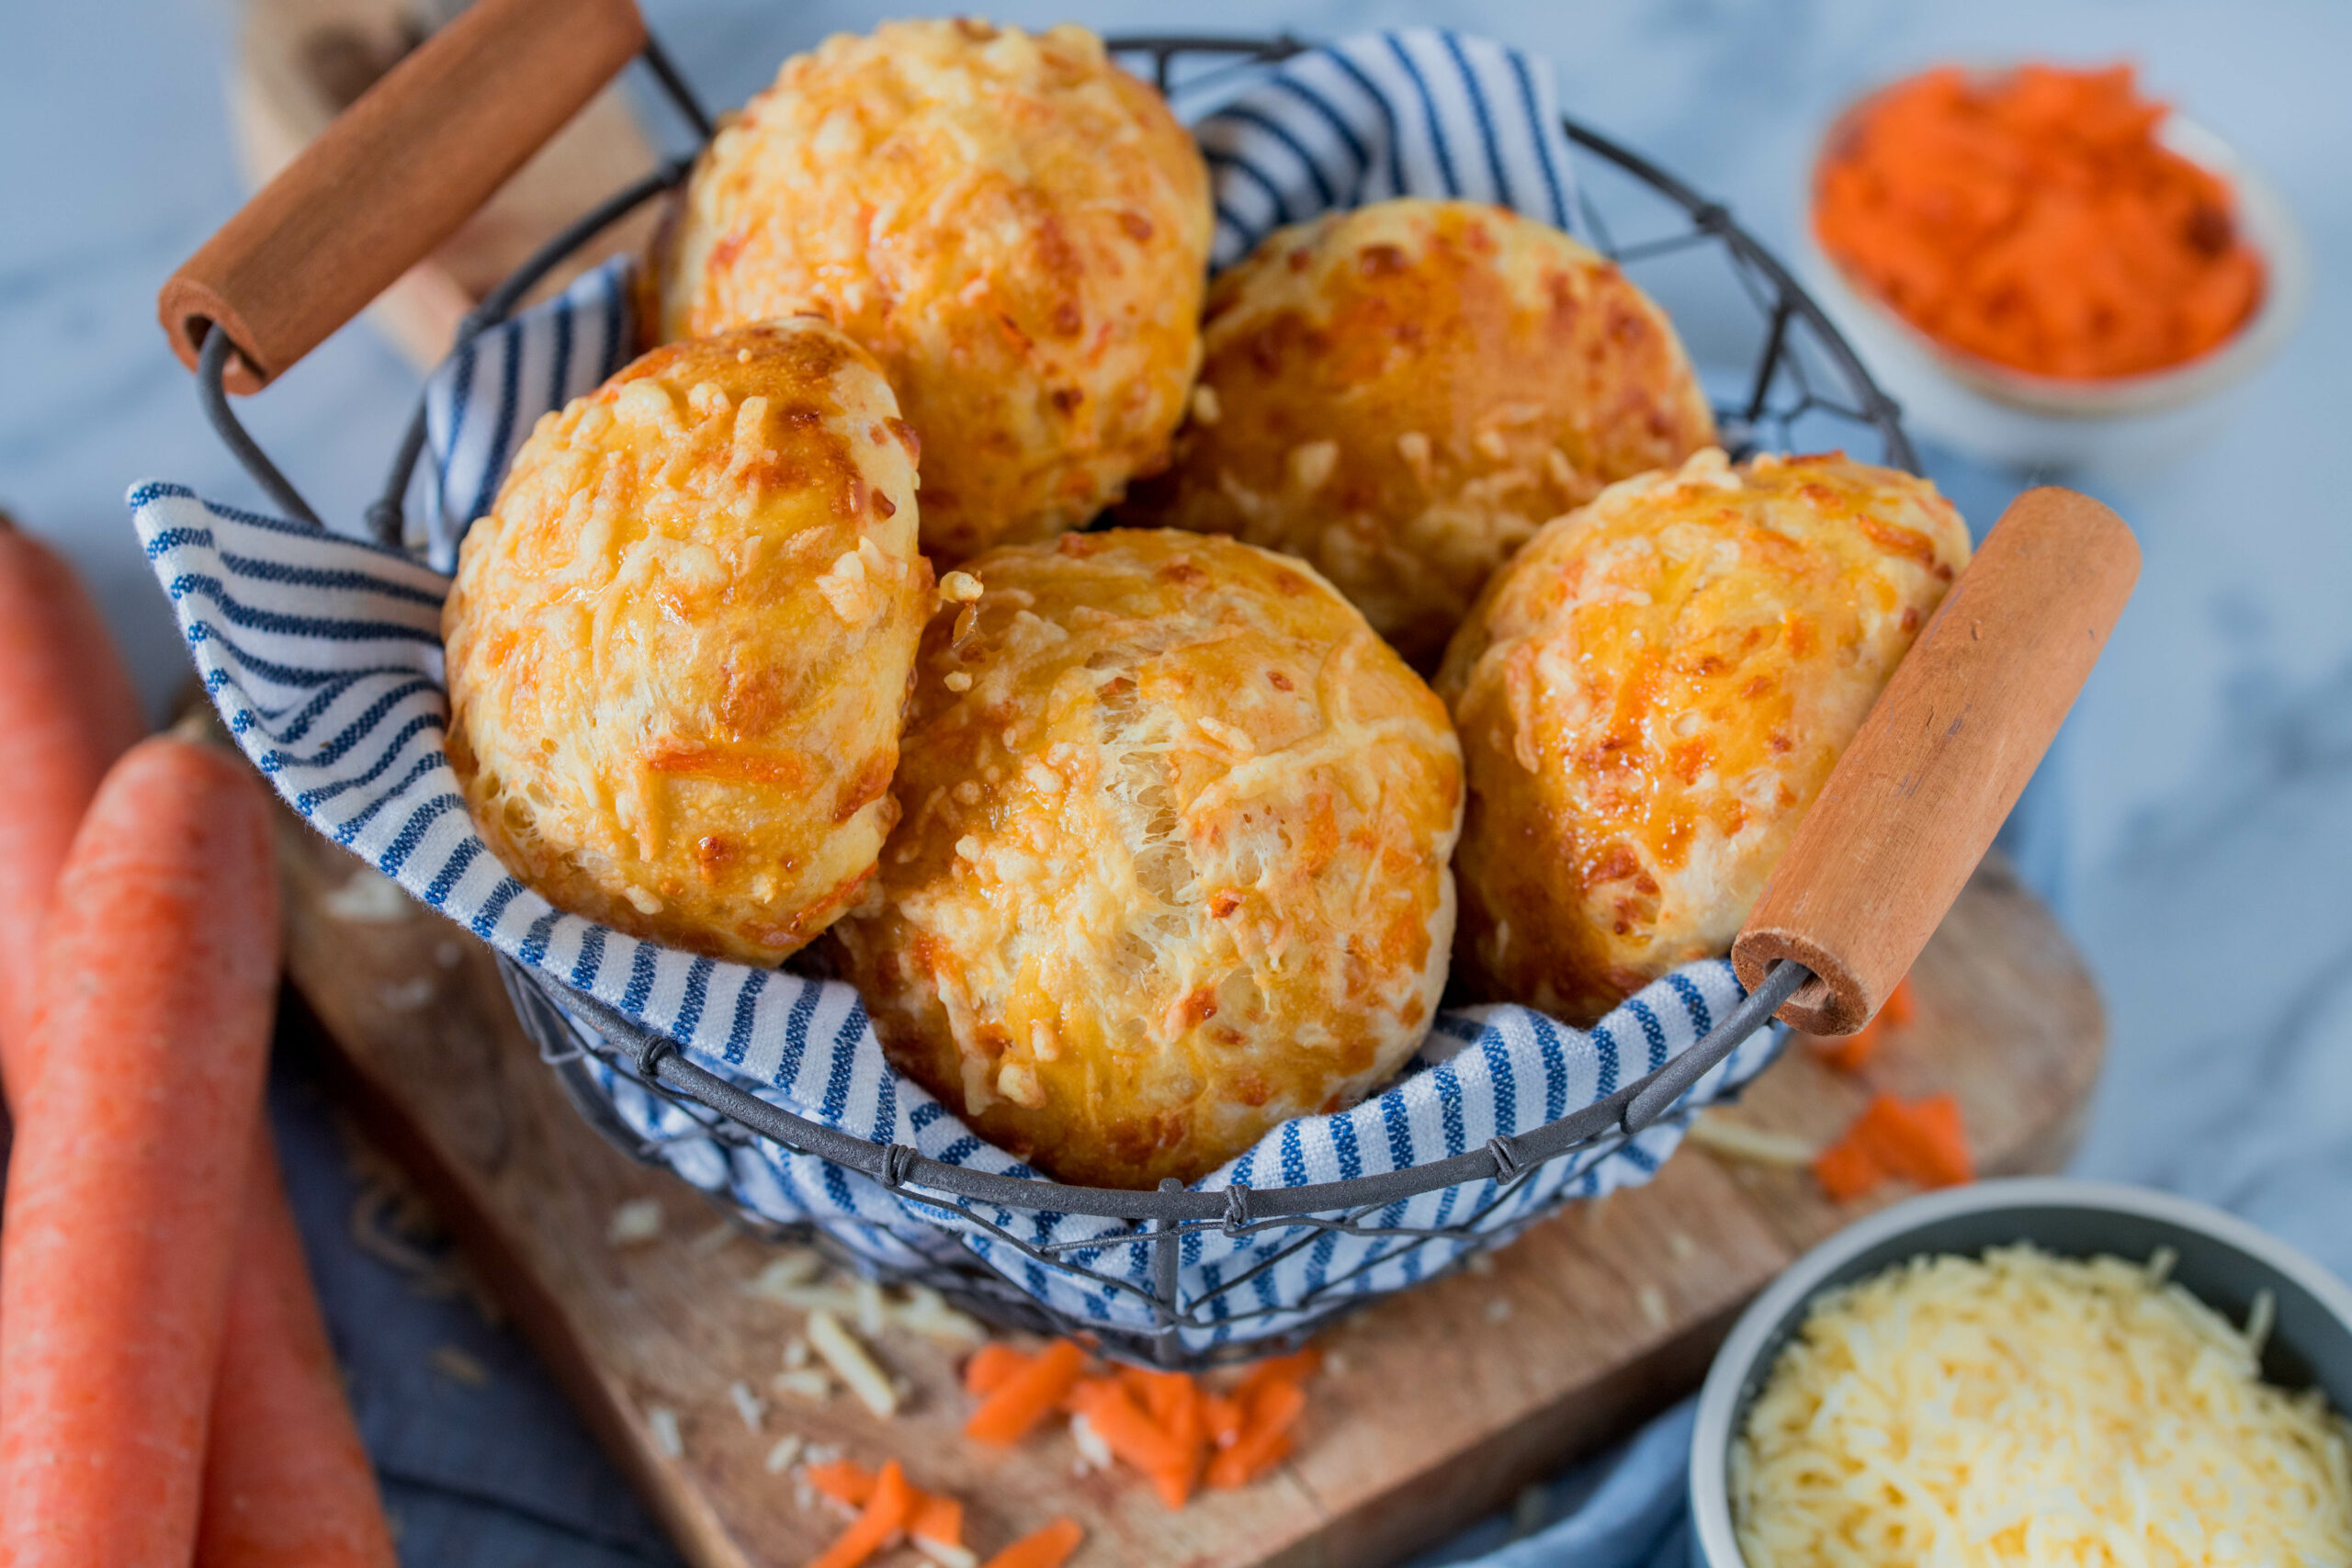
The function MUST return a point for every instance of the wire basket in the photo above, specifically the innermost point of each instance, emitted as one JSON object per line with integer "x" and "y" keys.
{"x": 1782, "y": 378}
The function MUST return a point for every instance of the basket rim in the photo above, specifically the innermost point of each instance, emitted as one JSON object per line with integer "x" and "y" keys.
{"x": 1171, "y": 1210}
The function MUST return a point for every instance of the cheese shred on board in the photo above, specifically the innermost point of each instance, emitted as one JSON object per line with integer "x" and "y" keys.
{"x": 2020, "y": 1410}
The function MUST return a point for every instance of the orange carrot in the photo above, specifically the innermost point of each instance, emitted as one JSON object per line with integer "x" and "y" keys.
{"x": 287, "y": 1482}
{"x": 1296, "y": 1367}
{"x": 937, "y": 1519}
{"x": 158, "y": 984}
{"x": 1221, "y": 1418}
{"x": 285, "y": 1478}
{"x": 1136, "y": 1439}
{"x": 991, "y": 1368}
{"x": 1265, "y": 1435}
{"x": 1846, "y": 1170}
{"x": 1923, "y": 1141}
{"x": 844, "y": 1480}
{"x": 1026, "y": 1398}
{"x": 2037, "y": 218}
{"x": 1848, "y": 1053}
{"x": 68, "y": 711}
{"x": 886, "y": 1516}
{"x": 1049, "y": 1548}
{"x": 1933, "y": 1146}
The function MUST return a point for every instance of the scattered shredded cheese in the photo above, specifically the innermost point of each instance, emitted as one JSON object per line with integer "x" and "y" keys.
{"x": 747, "y": 1404}
{"x": 1737, "y": 1140}
{"x": 945, "y": 1553}
{"x": 788, "y": 1449}
{"x": 809, "y": 1383}
{"x": 634, "y": 1223}
{"x": 663, "y": 1422}
{"x": 458, "y": 1367}
{"x": 841, "y": 1351}
{"x": 2023, "y": 1410}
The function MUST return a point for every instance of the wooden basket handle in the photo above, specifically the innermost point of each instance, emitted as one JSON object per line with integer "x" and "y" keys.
{"x": 1914, "y": 802}
{"x": 392, "y": 177}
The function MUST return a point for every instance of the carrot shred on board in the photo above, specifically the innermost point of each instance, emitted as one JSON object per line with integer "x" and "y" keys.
{"x": 1264, "y": 1439}
{"x": 991, "y": 1368}
{"x": 1049, "y": 1548}
{"x": 1028, "y": 1396}
{"x": 886, "y": 1515}
{"x": 844, "y": 1480}
{"x": 1221, "y": 1419}
{"x": 119, "y": 1247}
{"x": 1848, "y": 1053}
{"x": 937, "y": 1518}
{"x": 1294, "y": 1368}
{"x": 2036, "y": 220}
{"x": 1845, "y": 1172}
{"x": 1128, "y": 1432}
{"x": 1922, "y": 1140}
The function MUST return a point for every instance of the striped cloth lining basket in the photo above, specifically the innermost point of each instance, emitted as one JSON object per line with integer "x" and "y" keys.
{"x": 323, "y": 656}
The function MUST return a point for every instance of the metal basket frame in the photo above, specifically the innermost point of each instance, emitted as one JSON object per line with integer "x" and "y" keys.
{"x": 572, "y": 1029}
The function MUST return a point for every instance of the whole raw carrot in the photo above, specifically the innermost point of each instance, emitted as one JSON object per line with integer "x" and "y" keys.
{"x": 157, "y": 985}
{"x": 287, "y": 1482}
{"x": 68, "y": 711}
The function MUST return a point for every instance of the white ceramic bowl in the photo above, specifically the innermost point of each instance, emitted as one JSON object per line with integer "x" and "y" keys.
{"x": 2222, "y": 1261}
{"x": 2048, "y": 424}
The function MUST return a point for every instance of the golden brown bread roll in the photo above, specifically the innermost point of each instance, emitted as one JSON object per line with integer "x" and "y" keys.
{"x": 678, "y": 648}
{"x": 1652, "y": 693}
{"x": 1403, "y": 393}
{"x": 1173, "y": 866}
{"x": 1014, "y": 226}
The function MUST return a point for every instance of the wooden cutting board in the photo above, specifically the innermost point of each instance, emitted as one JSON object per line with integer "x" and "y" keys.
{"x": 1439, "y": 1404}
{"x": 301, "y": 63}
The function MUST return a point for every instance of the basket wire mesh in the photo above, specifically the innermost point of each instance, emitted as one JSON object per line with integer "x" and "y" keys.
{"x": 1782, "y": 378}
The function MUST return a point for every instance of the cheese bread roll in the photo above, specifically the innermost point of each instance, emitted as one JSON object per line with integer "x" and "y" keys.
{"x": 1014, "y": 226}
{"x": 1174, "y": 863}
{"x": 679, "y": 647}
{"x": 1404, "y": 393}
{"x": 1652, "y": 693}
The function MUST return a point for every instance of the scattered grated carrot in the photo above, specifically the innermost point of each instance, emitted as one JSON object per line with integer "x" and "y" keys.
{"x": 1922, "y": 1140}
{"x": 1026, "y": 1397}
{"x": 1264, "y": 1440}
{"x": 1848, "y": 1053}
{"x": 886, "y": 1516}
{"x": 937, "y": 1518}
{"x": 1133, "y": 1436}
{"x": 1049, "y": 1548}
{"x": 844, "y": 1480}
{"x": 991, "y": 1366}
{"x": 2035, "y": 219}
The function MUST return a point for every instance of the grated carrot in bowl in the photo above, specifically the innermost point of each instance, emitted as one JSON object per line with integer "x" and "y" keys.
{"x": 2035, "y": 219}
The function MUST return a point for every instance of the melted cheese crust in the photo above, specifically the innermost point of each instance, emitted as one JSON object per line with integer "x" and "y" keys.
{"x": 1652, "y": 693}
{"x": 678, "y": 647}
{"x": 1014, "y": 226}
{"x": 1174, "y": 863}
{"x": 1404, "y": 392}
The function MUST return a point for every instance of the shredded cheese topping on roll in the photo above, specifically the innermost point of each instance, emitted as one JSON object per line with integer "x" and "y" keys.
{"x": 2025, "y": 1409}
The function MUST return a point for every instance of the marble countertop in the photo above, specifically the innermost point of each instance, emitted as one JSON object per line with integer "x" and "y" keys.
{"x": 2203, "y": 800}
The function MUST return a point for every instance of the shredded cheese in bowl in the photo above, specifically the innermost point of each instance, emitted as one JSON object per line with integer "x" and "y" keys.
{"x": 2021, "y": 1410}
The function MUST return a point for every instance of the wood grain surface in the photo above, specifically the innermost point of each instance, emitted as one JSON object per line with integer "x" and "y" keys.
{"x": 1439, "y": 1404}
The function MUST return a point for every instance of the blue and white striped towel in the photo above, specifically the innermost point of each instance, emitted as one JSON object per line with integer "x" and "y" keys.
{"x": 324, "y": 655}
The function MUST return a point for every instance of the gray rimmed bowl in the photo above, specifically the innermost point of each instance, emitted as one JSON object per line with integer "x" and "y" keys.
{"x": 2223, "y": 1261}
